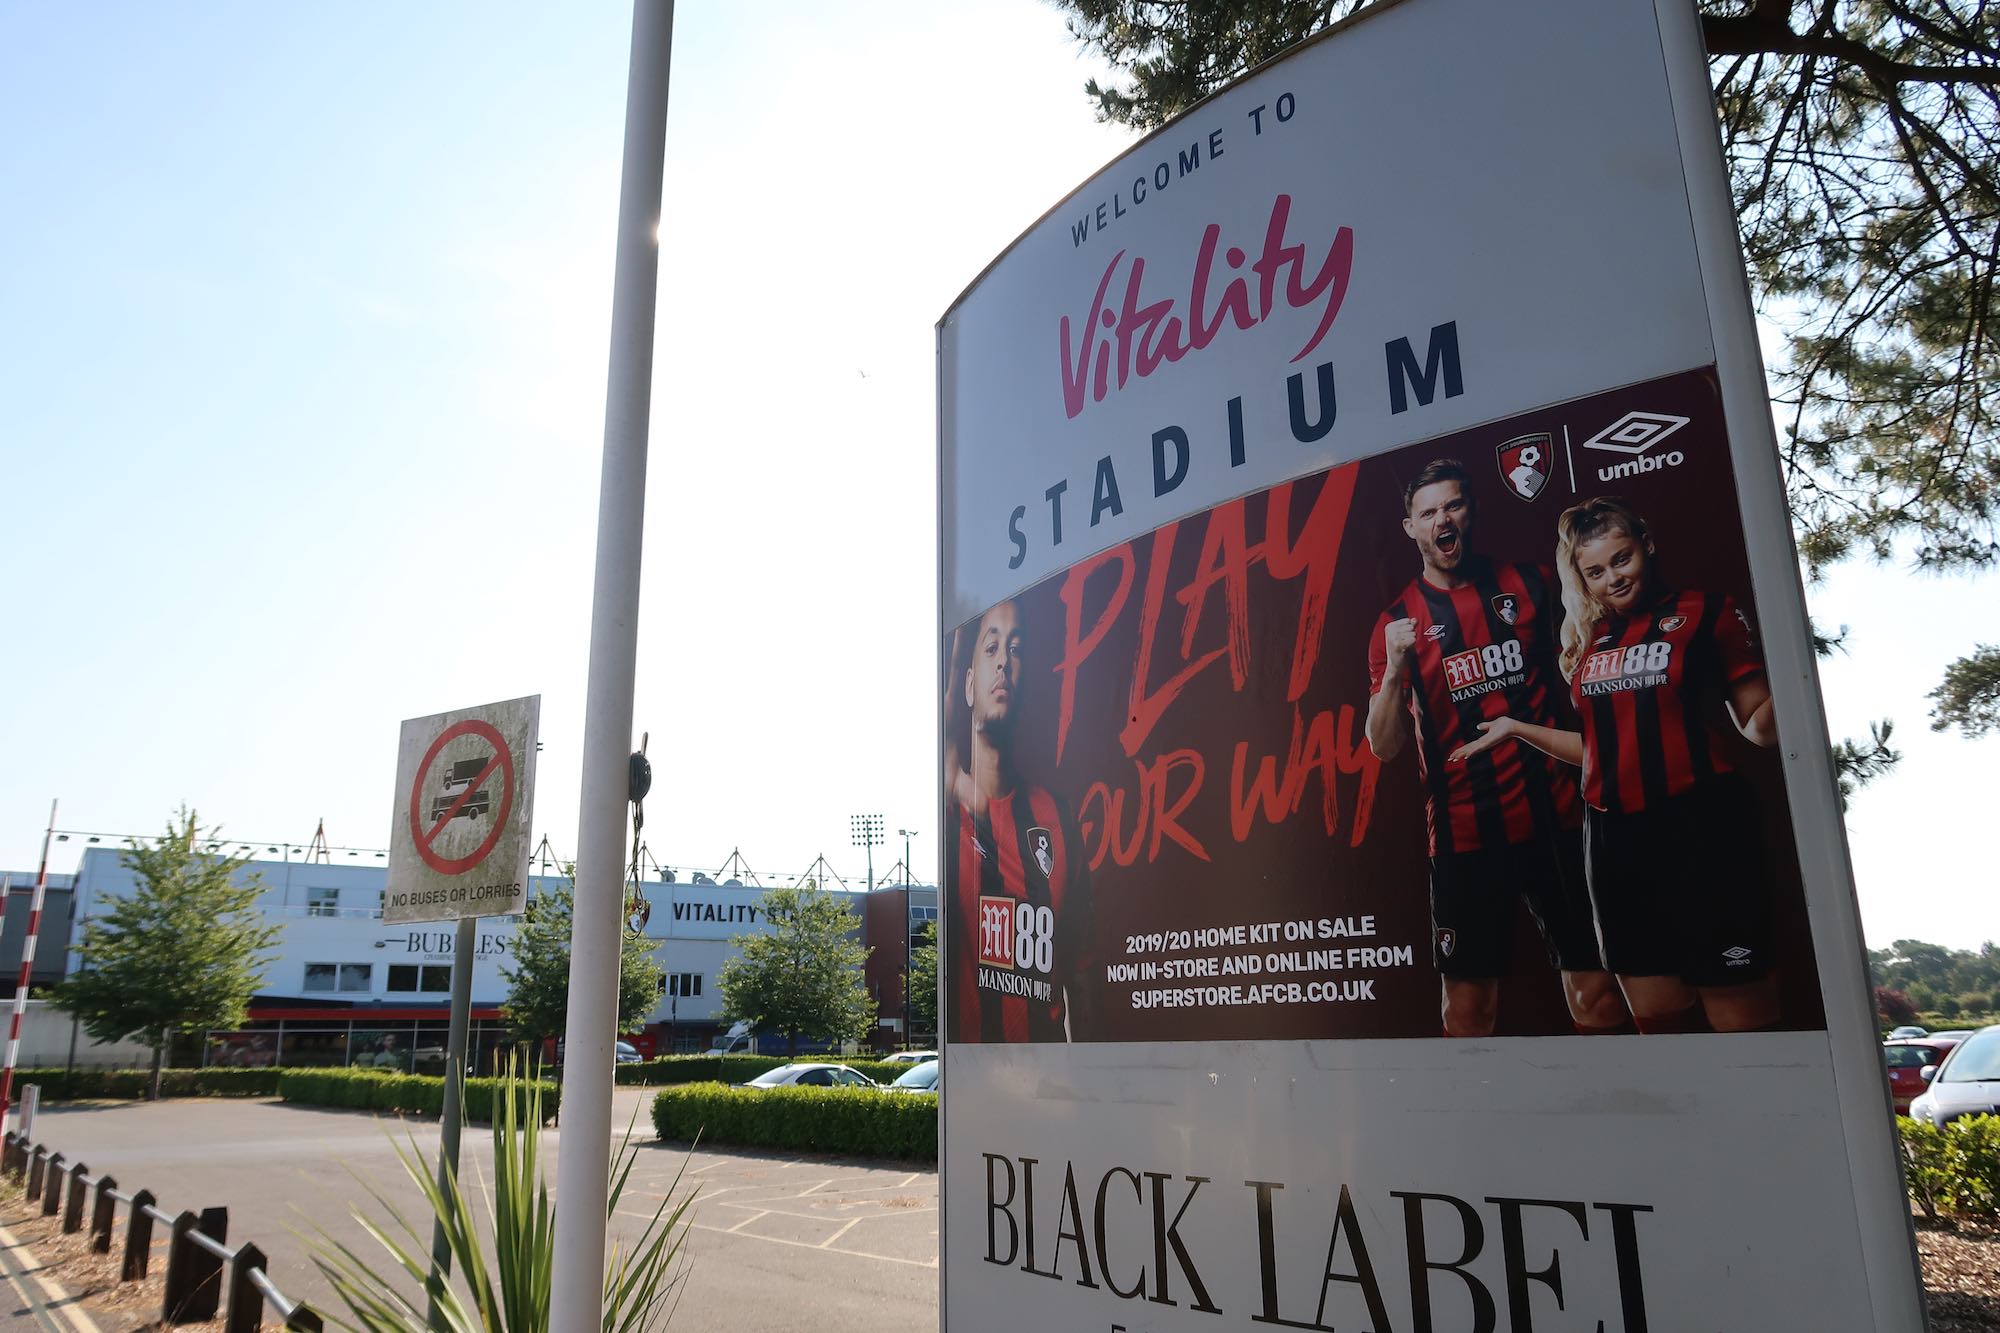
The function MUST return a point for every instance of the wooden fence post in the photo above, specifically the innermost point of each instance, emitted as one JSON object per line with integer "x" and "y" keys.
{"x": 72, "y": 1221}
{"x": 102, "y": 1213}
{"x": 52, "y": 1192}
{"x": 138, "y": 1238}
{"x": 246, "y": 1303}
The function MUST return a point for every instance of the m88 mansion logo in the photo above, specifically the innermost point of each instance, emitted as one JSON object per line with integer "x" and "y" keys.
{"x": 1482, "y": 670}
{"x": 1643, "y": 666}
{"x": 1016, "y": 947}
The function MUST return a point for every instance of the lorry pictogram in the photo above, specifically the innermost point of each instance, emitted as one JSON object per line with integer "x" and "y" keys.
{"x": 456, "y": 779}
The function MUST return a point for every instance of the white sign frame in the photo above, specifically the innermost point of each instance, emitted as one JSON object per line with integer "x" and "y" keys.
{"x": 1836, "y": 1254}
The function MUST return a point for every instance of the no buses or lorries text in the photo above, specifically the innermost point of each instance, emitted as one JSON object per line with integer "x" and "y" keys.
{"x": 456, "y": 893}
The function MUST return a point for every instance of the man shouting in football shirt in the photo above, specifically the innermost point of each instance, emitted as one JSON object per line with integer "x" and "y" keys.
{"x": 1469, "y": 640}
{"x": 1016, "y": 877}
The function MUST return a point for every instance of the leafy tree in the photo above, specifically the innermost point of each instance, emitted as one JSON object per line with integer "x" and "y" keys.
{"x": 537, "y": 971}
{"x": 924, "y": 981}
{"x": 1861, "y": 145}
{"x": 802, "y": 977}
{"x": 1948, "y": 1006}
{"x": 1894, "y": 1007}
{"x": 1969, "y": 698}
{"x": 180, "y": 953}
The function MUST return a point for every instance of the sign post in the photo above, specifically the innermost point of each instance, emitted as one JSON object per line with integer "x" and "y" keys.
{"x": 459, "y": 848}
{"x": 1393, "y": 876}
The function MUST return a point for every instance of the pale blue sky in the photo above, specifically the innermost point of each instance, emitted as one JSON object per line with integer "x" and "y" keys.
{"x": 302, "y": 335}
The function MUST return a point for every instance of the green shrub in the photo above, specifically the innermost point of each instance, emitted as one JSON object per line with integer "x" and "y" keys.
{"x": 834, "y": 1120}
{"x": 1953, "y": 1169}
{"x": 403, "y": 1094}
{"x": 130, "y": 1084}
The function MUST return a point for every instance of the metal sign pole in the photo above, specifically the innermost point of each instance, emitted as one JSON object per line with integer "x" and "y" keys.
{"x": 583, "y": 1158}
{"x": 454, "y": 1099}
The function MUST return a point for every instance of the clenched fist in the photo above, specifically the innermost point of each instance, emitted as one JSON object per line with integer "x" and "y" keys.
{"x": 1399, "y": 640}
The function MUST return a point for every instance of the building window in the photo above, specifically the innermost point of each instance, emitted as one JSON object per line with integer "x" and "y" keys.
{"x": 322, "y": 902}
{"x": 683, "y": 983}
{"x": 919, "y": 915}
{"x": 429, "y": 979}
{"x": 340, "y": 976}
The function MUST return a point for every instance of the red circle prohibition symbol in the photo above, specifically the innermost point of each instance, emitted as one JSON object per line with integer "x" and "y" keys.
{"x": 502, "y": 759}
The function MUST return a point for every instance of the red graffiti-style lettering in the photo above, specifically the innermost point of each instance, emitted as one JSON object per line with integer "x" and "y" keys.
{"x": 1315, "y": 749}
{"x": 1226, "y": 557}
{"x": 1315, "y": 554}
{"x": 1076, "y": 644}
{"x": 1146, "y": 709}
{"x": 1156, "y": 811}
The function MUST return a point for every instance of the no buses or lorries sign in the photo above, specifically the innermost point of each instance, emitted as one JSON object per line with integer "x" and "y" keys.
{"x": 465, "y": 789}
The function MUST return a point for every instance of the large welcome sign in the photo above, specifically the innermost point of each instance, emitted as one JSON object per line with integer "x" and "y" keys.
{"x": 1393, "y": 878}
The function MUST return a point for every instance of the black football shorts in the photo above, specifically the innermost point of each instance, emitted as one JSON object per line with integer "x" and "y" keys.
{"x": 1679, "y": 890}
{"x": 1472, "y": 906}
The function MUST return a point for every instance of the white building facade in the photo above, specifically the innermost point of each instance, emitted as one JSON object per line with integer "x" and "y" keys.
{"x": 340, "y": 981}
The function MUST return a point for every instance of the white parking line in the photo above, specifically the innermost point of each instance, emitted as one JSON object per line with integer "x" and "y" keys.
{"x": 740, "y": 1234}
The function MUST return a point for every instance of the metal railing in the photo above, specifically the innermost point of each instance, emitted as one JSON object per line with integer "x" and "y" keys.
{"x": 200, "y": 1267}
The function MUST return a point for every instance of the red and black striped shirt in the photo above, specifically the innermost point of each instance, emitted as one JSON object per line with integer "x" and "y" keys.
{"x": 1651, "y": 691}
{"x": 1484, "y": 650}
{"x": 1018, "y": 900}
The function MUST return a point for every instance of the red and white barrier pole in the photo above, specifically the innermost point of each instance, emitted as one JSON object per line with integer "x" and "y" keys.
{"x": 27, "y": 964}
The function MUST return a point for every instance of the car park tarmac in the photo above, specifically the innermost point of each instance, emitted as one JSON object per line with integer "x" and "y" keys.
{"x": 774, "y": 1236}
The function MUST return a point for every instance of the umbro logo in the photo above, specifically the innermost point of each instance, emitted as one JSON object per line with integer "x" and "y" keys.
{"x": 1434, "y": 631}
{"x": 1737, "y": 955}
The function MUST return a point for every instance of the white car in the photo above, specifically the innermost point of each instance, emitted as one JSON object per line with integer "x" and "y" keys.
{"x": 1967, "y": 1083}
{"x": 926, "y": 1077}
{"x": 909, "y": 1057}
{"x": 811, "y": 1076}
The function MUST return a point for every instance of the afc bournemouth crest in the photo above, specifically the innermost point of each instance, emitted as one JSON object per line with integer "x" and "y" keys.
{"x": 1524, "y": 464}
{"x": 1672, "y": 623}
{"x": 637, "y": 913}
{"x": 1044, "y": 849}
{"x": 1447, "y": 941}
{"x": 1508, "y": 607}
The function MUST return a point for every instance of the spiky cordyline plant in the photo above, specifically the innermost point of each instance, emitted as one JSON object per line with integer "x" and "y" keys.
{"x": 641, "y": 1283}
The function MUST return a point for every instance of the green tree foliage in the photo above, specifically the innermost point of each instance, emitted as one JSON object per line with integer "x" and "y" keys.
{"x": 1861, "y": 144}
{"x": 180, "y": 953}
{"x": 802, "y": 977}
{"x": 924, "y": 982}
{"x": 1969, "y": 698}
{"x": 1932, "y": 972}
{"x": 537, "y": 970}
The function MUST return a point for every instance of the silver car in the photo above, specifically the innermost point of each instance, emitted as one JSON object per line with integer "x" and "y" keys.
{"x": 1967, "y": 1083}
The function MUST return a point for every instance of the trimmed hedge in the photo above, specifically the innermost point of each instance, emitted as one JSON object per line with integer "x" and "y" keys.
{"x": 406, "y": 1094}
{"x": 670, "y": 1070}
{"x": 130, "y": 1084}
{"x": 1953, "y": 1169}
{"x": 832, "y": 1120}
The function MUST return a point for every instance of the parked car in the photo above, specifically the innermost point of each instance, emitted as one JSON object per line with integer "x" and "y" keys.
{"x": 625, "y": 1053}
{"x": 1907, "y": 1033}
{"x": 908, "y": 1057}
{"x": 1955, "y": 1035}
{"x": 1967, "y": 1083}
{"x": 1906, "y": 1061}
{"x": 926, "y": 1077}
{"x": 811, "y": 1076}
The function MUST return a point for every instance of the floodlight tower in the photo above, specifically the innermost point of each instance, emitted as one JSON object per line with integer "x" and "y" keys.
{"x": 868, "y": 836}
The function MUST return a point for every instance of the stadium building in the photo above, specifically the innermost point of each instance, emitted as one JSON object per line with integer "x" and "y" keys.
{"x": 342, "y": 987}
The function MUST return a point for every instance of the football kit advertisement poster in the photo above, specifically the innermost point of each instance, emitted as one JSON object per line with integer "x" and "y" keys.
{"x": 1392, "y": 876}
{"x": 1169, "y": 821}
